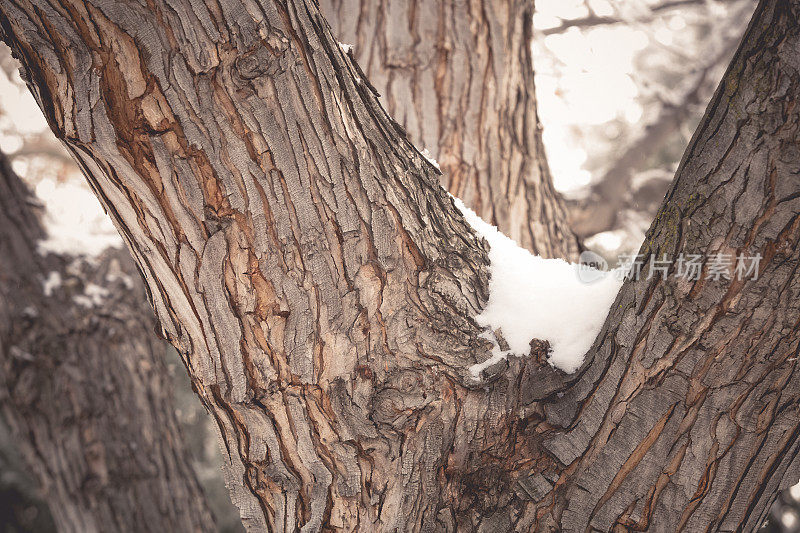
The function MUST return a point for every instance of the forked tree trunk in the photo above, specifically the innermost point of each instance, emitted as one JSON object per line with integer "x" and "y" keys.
{"x": 301, "y": 254}
{"x": 84, "y": 386}
{"x": 458, "y": 76}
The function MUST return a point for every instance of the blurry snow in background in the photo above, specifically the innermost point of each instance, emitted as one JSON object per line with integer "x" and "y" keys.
{"x": 74, "y": 219}
{"x": 621, "y": 86}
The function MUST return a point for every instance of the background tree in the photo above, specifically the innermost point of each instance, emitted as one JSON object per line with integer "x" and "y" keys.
{"x": 321, "y": 285}
{"x": 459, "y": 79}
{"x": 84, "y": 385}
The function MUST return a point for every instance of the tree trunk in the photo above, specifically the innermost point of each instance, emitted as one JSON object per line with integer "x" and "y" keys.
{"x": 86, "y": 390}
{"x": 458, "y": 76}
{"x": 321, "y": 285}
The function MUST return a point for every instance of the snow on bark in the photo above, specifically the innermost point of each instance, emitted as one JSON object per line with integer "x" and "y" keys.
{"x": 531, "y": 297}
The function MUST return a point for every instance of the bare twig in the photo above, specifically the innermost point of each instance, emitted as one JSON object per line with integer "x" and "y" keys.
{"x": 595, "y": 20}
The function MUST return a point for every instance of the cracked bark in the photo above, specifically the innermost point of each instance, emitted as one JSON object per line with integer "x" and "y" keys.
{"x": 86, "y": 390}
{"x": 686, "y": 417}
{"x": 302, "y": 256}
{"x": 458, "y": 77}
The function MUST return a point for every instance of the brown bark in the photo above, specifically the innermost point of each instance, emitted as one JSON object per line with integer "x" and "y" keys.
{"x": 84, "y": 386}
{"x": 458, "y": 76}
{"x": 301, "y": 255}
{"x": 298, "y": 248}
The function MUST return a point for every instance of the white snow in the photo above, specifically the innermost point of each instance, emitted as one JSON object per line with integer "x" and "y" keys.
{"x": 126, "y": 280}
{"x": 92, "y": 295}
{"x": 52, "y": 282}
{"x": 535, "y": 298}
{"x": 427, "y": 155}
{"x": 74, "y": 220}
{"x": 346, "y": 48}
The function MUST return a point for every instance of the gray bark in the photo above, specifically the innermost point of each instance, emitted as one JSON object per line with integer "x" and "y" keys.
{"x": 458, "y": 76}
{"x": 84, "y": 386}
{"x": 302, "y": 256}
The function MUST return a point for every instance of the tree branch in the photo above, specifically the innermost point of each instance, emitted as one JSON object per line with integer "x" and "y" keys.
{"x": 685, "y": 416}
{"x": 593, "y": 20}
{"x": 466, "y": 93}
{"x": 609, "y": 196}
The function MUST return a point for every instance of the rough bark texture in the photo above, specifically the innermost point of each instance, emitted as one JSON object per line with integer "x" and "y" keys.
{"x": 302, "y": 256}
{"x": 84, "y": 387}
{"x": 458, "y": 76}
{"x": 299, "y": 250}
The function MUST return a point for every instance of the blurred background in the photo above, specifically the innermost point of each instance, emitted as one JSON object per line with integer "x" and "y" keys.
{"x": 621, "y": 86}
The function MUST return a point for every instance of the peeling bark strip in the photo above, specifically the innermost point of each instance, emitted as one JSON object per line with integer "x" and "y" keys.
{"x": 86, "y": 391}
{"x": 458, "y": 76}
{"x": 320, "y": 284}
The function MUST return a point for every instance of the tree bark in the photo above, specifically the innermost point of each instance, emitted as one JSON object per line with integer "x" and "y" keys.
{"x": 458, "y": 76}
{"x": 299, "y": 250}
{"x": 321, "y": 285}
{"x": 86, "y": 391}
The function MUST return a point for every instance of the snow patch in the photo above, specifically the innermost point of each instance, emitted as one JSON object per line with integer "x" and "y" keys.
{"x": 74, "y": 221}
{"x": 346, "y": 48}
{"x": 535, "y": 298}
{"x": 52, "y": 282}
{"x": 427, "y": 155}
{"x": 126, "y": 280}
{"x": 92, "y": 296}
